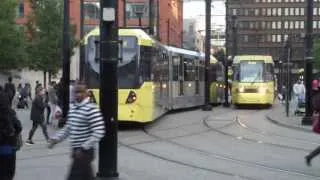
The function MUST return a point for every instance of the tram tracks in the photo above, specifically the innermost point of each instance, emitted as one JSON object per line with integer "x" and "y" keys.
{"x": 216, "y": 155}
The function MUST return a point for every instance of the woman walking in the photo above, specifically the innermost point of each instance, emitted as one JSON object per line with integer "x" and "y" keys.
{"x": 10, "y": 129}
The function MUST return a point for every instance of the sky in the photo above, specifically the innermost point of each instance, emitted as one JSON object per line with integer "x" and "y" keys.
{"x": 195, "y": 9}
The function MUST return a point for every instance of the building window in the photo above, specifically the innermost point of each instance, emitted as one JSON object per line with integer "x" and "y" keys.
{"x": 278, "y": 38}
{"x": 286, "y": 25}
{"x": 263, "y": 11}
{"x": 279, "y": 24}
{"x": 274, "y": 38}
{"x": 256, "y": 12}
{"x": 269, "y": 12}
{"x": 20, "y": 9}
{"x": 302, "y": 11}
{"x": 133, "y": 8}
{"x": 268, "y": 38}
{"x": 274, "y": 25}
{"x": 297, "y": 11}
{"x": 291, "y": 25}
{"x": 315, "y": 12}
{"x": 297, "y": 25}
{"x": 286, "y": 11}
{"x": 91, "y": 10}
{"x": 234, "y": 12}
{"x": 263, "y": 24}
{"x": 245, "y": 38}
{"x": 301, "y": 24}
{"x": 279, "y": 12}
{"x": 274, "y": 11}
{"x": 291, "y": 11}
{"x": 314, "y": 24}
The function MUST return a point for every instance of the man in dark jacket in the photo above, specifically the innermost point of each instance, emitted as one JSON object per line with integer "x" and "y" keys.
{"x": 37, "y": 115}
{"x": 10, "y": 129}
{"x": 10, "y": 89}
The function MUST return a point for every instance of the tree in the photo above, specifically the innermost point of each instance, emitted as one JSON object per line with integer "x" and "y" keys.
{"x": 45, "y": 28}
{"x": 11, "y": 37}
{"x": 220, "y": 55}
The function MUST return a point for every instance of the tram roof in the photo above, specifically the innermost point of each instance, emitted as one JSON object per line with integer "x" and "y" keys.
{"x": 183, "y": 51}
{"x": 143, "y": 38}
{"x": 265, "y": 58}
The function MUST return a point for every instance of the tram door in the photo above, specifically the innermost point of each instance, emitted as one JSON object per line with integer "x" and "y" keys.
{"x": 181, "y": 76}
{"x": 197, "y": 79}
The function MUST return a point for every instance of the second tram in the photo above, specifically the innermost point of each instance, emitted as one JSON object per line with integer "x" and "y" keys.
{"x": 253, "y": 80}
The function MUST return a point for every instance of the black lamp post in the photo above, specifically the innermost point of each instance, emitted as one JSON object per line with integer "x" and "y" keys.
{"x": 308, "y": 63}
{"x": 207, "y": 106}
{"x": 139, "y": 15}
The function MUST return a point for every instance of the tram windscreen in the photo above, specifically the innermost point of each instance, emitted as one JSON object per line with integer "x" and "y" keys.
{"x": 251, "y": 71}
{"x": 128, "y": 67}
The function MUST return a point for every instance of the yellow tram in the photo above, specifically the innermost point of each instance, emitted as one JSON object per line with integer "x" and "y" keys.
{"x": 253, "y": 80}
{"x": 152, "y": 78}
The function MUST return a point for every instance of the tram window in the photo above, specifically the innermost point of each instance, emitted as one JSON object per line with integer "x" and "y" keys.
{"x": 176, "y": 61}
{"x": 236, "y": 72}
{"x": 189, "y": 71}
{"x": 146, "y": 58}
{"x": 269, "y": 72}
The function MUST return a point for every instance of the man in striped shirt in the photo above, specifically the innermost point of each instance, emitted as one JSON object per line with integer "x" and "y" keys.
{"x": 85, "y": 127}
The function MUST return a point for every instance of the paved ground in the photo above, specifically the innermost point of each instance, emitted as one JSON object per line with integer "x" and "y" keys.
{"x": 222, "y": 144}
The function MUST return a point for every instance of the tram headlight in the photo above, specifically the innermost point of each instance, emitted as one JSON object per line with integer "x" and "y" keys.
{"x": 263, "y": 90}
{"x": 241, "y": 89}
{"x": 132, "y": 97}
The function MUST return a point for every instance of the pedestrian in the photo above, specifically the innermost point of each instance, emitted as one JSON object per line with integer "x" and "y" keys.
{"x": 37, "y": 115}
{"x": 85, "y": 127}
{"x": 10, "y": 89}
{"x": 299, "y": 91}
{"x": 52, "y": 101}
{"x": 315, "y": 101}
{"x": 10, "y": 129}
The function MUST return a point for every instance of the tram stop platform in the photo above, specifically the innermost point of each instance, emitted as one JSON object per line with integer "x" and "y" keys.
{"x": 278, "y": 116}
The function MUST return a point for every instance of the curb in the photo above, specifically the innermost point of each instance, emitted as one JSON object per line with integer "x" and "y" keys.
{"x": 286, "y": 125}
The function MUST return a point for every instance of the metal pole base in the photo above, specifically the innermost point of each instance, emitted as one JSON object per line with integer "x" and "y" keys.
{"x": 109, "y": 178}
{"x": 207, "y": 107}
{"x": 113, "y": 176}
{"x": 226, "y": 104}
{"x": 306, "y": 120}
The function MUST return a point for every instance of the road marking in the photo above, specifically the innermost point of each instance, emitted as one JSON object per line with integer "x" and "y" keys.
{"x": 239, "y": 137}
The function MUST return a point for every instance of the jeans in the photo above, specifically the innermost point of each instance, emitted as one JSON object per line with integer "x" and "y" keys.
{"x": 34, "y": 128}
{"x": 8, "y": 166}
{"x": 81, "y": 168}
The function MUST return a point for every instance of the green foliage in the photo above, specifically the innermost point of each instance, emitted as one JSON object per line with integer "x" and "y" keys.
{"x": 317, "y": 55}
{"x": 11, "y": 37}
{"x": 45, "y": 27}
{"x": 220, "y": 55}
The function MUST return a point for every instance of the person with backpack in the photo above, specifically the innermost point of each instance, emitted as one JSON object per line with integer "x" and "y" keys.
{"x": 10, "y": 141}
{"x": 10, "y": 89}
{"x": 315, "y": 100}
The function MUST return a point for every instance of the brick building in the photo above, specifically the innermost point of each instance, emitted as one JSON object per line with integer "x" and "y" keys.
{"x": 167, "y": 14}
{"x": 264, "y": 25}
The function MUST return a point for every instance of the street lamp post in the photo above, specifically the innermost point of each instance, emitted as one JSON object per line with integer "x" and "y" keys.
{"x": 108, "y": 146}
{"x": 66, "y": 61}
{"x": 207, "y": 106}
{"x": 82, "y": 53}
{"x": 306, "y": 120}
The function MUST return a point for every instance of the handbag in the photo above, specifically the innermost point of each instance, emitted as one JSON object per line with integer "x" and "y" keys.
{"x": 315, "y": 123}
